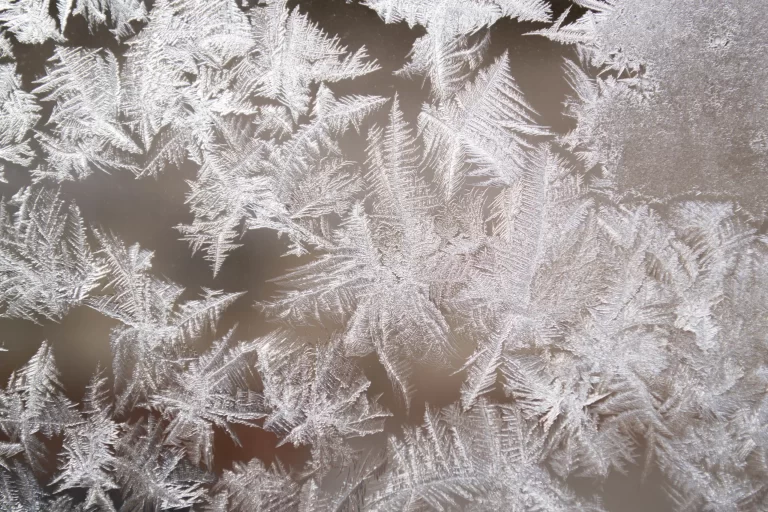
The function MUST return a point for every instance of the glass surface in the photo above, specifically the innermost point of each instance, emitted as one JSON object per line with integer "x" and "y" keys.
{"x": 555, "y": 238}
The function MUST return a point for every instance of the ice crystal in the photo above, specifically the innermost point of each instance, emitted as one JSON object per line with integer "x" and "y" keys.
{"x": 592, "y": 296}
{"x": 20, "y": 113}
{"x": 46, "y": 263}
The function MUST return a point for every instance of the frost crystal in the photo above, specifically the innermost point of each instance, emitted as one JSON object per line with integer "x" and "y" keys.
{"x": 474, "y": 311}
{"x": 46, "y": 265}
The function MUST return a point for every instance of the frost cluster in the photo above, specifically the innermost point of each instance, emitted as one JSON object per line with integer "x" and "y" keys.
{"x": 602, "y": 294}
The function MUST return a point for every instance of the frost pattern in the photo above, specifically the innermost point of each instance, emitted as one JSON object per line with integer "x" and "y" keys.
{"x": 591, "y": 325}
{"x": 46, "y": 264}
{"x": 19, "y": 113}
